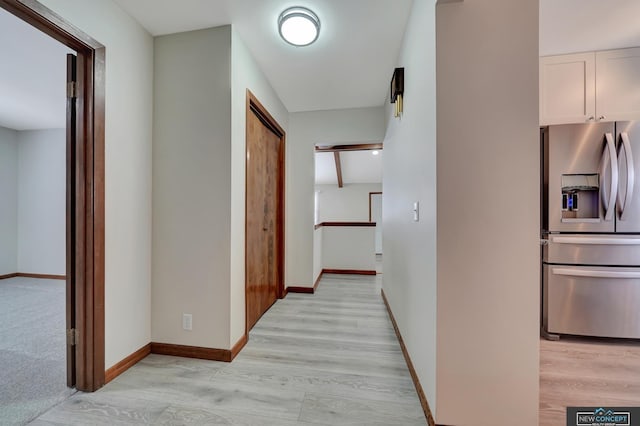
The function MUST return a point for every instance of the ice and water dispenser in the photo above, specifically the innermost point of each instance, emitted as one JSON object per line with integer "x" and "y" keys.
{"x": 580, "y": 196}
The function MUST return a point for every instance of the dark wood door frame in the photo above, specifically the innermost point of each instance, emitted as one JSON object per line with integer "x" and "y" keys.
{"x": 255, "y": 107}
{"x": 85, "y": 190}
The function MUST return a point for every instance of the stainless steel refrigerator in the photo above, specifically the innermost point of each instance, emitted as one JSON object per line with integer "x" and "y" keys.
{"x": 591, "y": 230}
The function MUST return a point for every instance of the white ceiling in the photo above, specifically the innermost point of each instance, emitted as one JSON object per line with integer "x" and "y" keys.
{"x": 568, "y": 26}
{"x": 32, "y": 77}
{"x": 361, "y": 167}
{"x": 357, "y": 167}
{"x": 349, "y": 66}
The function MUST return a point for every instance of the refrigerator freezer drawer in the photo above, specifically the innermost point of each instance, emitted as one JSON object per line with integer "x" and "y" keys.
{"x": 603, "y": 249}
{"x": 592, "y": 301}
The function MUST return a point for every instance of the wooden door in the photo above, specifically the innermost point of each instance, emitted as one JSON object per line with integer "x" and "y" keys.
{"x": 71, "y": 218}
{"x": 264, "y": 212}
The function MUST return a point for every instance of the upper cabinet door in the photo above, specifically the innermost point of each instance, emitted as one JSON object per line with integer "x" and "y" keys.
{"x": 618, "y": 84}
{"x": 567, "y": 88}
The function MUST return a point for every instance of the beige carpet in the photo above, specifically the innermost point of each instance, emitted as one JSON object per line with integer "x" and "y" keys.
{"x": 32, "y": 348}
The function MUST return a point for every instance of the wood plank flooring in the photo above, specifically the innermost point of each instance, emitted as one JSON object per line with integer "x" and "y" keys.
{"x": 331, "y": 358}
{"x": 578, "y": 372}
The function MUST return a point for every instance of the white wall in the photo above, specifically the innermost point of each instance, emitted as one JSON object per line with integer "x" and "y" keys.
{"x": 42, "y": 201}
{"x": 567, "y": 26}
{"x": 33, "y": 191}
{"x": 409, "y": 170}
{"x": 199, "y": 183}
{"x": 344, "y": 247}
{"x": 348, "y": 247}
{"x": 488, "y": 252}
{"x": 9, "y": 204}
{"x": 317, "y": 253}
{"x": 245, "y": 74}
{"x": 347, "y": 204}
{"x": 192, "y": 187}
{"x": 306, "y": 129}
{"x": 376, "y": 216}
{"x": 129, "y": 96}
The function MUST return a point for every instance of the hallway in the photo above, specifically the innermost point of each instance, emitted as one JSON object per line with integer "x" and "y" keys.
{"x": 331, "y": 358}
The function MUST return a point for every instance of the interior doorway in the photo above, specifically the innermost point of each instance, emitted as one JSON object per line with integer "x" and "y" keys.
{"x": 264, "y": 241}
{"x": 84, "y": 193}
{"x": 33, "y": 349}
{"x": 346, "y": 237}
{"x": 375, "y": 215}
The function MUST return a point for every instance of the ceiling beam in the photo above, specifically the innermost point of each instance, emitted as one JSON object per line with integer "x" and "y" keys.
{"x": 350, "y": 147}
{"x": 336, "y": 156}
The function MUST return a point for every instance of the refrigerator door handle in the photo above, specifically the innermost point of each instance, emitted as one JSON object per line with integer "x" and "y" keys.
{"x": 591, "y": 273}
{"x": 628, "y": 196}
{"x": 609, "y": 202}
{"x": 597, "y": 241}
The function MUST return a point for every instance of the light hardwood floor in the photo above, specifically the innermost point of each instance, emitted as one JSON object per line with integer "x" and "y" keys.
{"x": 579, "y": 372}
{"x": 331, "y": 358}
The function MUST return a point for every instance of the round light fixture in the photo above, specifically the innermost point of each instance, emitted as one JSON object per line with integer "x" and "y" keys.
{"x": 375, "y": 152}
{"x": 299, "y": 26}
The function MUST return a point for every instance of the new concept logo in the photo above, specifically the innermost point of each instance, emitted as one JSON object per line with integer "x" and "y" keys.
{"x": 599, "y": 416}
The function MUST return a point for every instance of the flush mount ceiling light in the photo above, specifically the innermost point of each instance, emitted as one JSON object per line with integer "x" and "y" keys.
{"x": 299, "y": 26}
{"x": 375, "y": 152}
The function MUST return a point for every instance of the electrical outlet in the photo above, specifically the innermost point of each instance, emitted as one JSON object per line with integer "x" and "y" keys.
{"x": 187, "y": 322}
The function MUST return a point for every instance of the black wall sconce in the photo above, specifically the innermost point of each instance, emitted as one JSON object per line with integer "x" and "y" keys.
{"x": 397, "y": 90}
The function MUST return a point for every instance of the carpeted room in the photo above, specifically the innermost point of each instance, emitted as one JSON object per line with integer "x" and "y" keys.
{"x": 32, "y": 268}
{"x": 32, "y": 348}
{"x": 33, "y": 376}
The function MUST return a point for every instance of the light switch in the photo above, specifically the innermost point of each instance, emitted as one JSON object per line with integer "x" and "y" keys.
{"x": 416, "y": 211}
{"x": 187, "y": 322}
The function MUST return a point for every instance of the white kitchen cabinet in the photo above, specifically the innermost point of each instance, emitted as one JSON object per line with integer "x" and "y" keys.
{"x": 589, "y": 87}
{"x": 567, "y": 88}
{"x": 618, "y": 84}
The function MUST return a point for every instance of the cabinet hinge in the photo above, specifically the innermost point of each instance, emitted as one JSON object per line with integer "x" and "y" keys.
{"x": 72, "y": 90}
{"x": 72, "y": 337}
